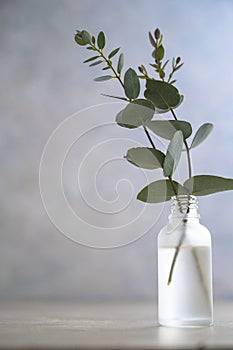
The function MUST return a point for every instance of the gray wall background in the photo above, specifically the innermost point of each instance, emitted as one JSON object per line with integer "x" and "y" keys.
{"x": 43, "y": 81}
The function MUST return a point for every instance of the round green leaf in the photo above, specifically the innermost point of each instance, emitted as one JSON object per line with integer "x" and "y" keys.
{"x": 160, "y": 191}
{"x": 131, "y": 84}
{"x": 167, "y": 128}
{"x": 201, "y": 134}
{"x": 202, "y": 185}
{"x": 120, "y": 121}
{"x": 101, "y": 40}
{"x": 173, "y": 154}
{"x": 146, "y": 158}
{"x": 163, "y": 95}
{"x": 136, "y": 113}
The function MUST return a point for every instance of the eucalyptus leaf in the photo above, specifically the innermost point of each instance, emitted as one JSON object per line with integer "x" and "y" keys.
{"x": 136, "y": 113}
{"x": 158, "y": 53}
{"x": 163, "y": 95}
{"x": 201, "y": 134}
{"x": 163, "y": 67}
{"x": 86, "y": 37}
{"x": 113, "y": 52}
{"x": 181, "y": 98}
{"x": 78, "y": 39}
{"x": 120, "y": 121}
{"x": 95, "y": 63}
{"x": 173, "y": 154}
{"x": 179, "y": 66}
{"x": 131, "y": 84}
{"x": 120, "y": 63}
{"x": 91, "y": 59}
{"x": 101, "y": 40}
{"x": 103, "y": 78}
{"x": 202, "y": 185}
{"x": 152, "y": 40}
{"x": 146, "y": 158}
{"x": 162, "y": 111}
{"x": 117, "y": 97}
{"x": 167, "y": 128}
{"x": 160, "y": 191}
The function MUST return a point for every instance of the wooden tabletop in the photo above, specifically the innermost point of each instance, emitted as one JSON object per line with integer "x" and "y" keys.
{"x": 55, "y": 325}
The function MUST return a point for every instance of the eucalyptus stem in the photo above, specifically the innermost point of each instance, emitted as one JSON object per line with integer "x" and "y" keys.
{"x": 173, "y": 186}
{"x": 175, "y": 258}
{"x": 149, "y": 137}
{"x": 183, "y": 235}
{"x": 186, "y": 147}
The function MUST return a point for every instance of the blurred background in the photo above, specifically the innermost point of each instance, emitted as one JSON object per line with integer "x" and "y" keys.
{"x": 43, "y": 81}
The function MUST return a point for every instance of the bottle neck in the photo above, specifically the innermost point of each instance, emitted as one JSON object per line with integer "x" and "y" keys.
{"x": 185, "y": 207}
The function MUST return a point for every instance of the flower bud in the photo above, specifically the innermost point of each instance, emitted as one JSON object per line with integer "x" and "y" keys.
{"x": 178, "y": 60}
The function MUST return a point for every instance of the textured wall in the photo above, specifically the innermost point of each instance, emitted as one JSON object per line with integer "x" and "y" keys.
{"x": 43, "y": 81}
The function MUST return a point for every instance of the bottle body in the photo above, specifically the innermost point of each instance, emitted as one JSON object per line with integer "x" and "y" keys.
{"x": 185, "y": 268}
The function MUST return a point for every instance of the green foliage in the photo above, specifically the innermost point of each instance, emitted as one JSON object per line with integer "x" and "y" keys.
{"x": 86, "y": 38}
{"x": 120, "y": 63}
{"x": 78, "y": 38}
{"x": 101, "y": 40}
{"x": 91, "y": 59}
{"x": 202, "y": 185}
{"x": 173, "y": 154}
{"x": 158, "y": 53}
{"x": 135, "y": 114}
{"x": 96, "y": 63}
{"x": 163, "y": 95}
{"x": 117, "y": 97}
{"x": 131, "y": 84}
{"x": 103, "y": 78}
{"x": 201, "y": 134}
{"x": 113, "y": 53}
{"x": 160, "y": 191}
{"x": 167, "y": 128}
{"x": 146, "y": 158}
{"x": 123, "y": 122}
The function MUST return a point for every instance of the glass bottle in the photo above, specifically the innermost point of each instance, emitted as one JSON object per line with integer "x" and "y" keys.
{"x": 184, "y": 268}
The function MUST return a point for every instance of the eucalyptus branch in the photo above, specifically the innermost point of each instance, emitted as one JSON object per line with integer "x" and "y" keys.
{"x": 175, "y": 66}
{"x": 158, "y": 95}
{"x": 109, "y": 64}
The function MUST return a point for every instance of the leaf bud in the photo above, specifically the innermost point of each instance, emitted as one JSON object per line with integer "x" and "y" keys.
{"x": 152, "y": 41}
{"x": 178, "y": 60}
{"x": 157, "y": 34}
{"x": 140, "y": 69}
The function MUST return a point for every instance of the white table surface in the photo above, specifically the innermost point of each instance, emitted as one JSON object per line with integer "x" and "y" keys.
{"x": 54, "y": 325}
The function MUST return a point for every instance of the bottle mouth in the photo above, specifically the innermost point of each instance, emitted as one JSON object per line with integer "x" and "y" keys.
{"x": 184, "y": 205}
{"x": 189, "y": 198}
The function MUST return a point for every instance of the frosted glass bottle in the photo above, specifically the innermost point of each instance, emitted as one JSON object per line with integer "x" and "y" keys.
{"x": 184, "y": 268}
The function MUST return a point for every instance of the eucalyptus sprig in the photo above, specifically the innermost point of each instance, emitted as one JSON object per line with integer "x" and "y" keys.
{"x": 160, "y": 97}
